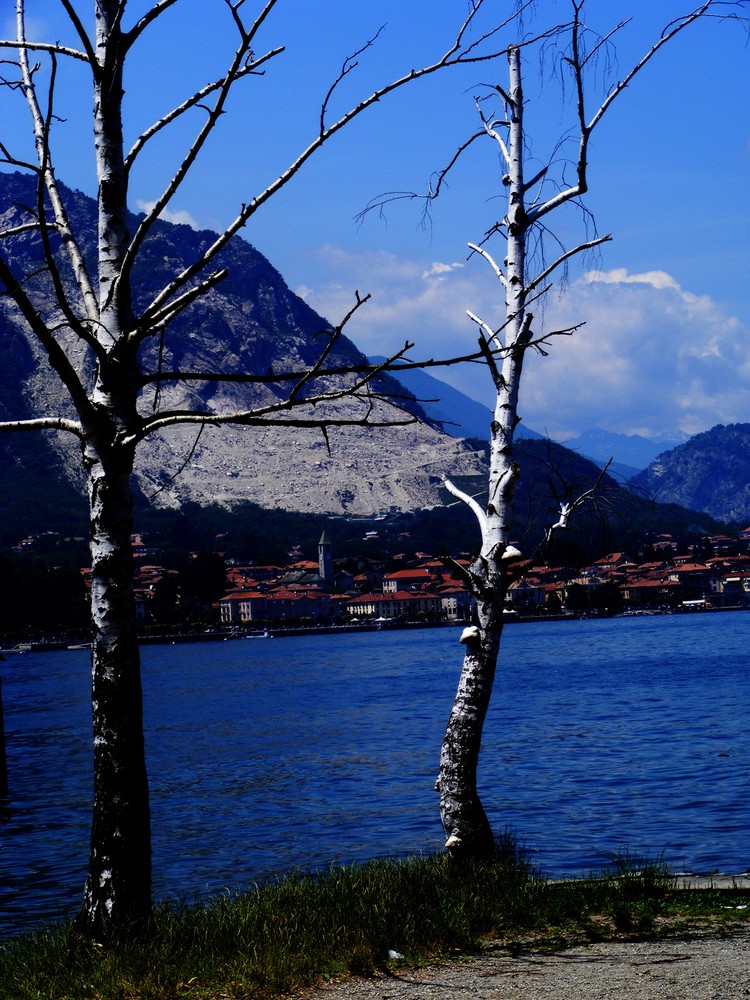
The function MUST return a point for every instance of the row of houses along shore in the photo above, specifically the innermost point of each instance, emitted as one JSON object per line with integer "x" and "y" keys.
{"x": 425, "y": 590}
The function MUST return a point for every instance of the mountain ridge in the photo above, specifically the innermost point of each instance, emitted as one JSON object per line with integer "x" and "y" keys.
{"x": 250, "y": 322}
{"x": 633, "y": 451}
{"x": 456, "y": 413}
{"x": 710, "y": 473}
{"x": 462, "y": 416}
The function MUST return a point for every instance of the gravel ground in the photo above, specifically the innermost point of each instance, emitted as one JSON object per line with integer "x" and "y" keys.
{"x": 706, "y": 967}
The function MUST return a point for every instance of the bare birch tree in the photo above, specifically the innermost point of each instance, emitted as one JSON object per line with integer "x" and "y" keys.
{"x": 96, "y": 341}
{"x": 524, "y": 276}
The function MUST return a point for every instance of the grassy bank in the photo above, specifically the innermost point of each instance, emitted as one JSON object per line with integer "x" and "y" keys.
{"x": 305, "y": 928}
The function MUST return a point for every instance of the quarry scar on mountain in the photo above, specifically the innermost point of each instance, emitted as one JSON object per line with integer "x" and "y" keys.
{"x": 251, "y": 320}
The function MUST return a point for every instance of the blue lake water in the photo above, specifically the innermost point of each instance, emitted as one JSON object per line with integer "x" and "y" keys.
{"x": 603, "y": 735}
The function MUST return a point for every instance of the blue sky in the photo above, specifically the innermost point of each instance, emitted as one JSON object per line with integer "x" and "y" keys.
{"x": 666, "y": 344}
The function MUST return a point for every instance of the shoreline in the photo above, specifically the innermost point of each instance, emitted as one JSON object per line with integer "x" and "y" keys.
{"x": 217, "y": 634}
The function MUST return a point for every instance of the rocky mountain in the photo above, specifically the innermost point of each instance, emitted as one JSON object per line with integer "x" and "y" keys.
{"x": 251, "y": 322}
{"x": 710, "y": 472}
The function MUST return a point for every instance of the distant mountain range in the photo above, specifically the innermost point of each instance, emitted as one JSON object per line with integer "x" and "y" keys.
{"x": 629, "y": 452}
{"x": 456, "y": 413}
{"x": 709, "y": 472}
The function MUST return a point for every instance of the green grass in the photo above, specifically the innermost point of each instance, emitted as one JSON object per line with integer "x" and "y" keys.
{"x": 308, "y": 927}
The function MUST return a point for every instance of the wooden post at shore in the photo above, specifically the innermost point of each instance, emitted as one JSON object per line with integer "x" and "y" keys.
{"x": 3, "y": 759}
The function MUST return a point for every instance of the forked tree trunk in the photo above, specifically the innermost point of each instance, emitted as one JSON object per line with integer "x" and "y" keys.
{"x": 117, "y": 895}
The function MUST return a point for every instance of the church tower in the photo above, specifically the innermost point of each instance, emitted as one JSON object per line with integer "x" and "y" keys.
{"x": 325, "y": 560}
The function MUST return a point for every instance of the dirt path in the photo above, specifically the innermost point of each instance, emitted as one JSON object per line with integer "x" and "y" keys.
{"x": 700, "y": 968}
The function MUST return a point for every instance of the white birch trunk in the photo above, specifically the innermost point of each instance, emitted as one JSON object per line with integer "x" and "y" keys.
{"x": 117, "y": 894}
{"x": 467, "y": 829}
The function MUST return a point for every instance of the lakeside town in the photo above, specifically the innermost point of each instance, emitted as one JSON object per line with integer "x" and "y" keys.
{"x": 215, "y": 595}
{"x": 714, "y": 573}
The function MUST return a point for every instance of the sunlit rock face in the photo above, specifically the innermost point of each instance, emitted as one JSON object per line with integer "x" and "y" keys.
{"x": 251, "y": 322}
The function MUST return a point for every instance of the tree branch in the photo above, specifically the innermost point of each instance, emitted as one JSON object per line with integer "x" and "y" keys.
{"x": 192, "y": 102}
{"x": 273, "y": 378}
{"x": 577, "y": 62}
{"x": 294, "y": 398}
{"x": 581, "y": 248}
{"x": 316, "y": 369}
{"x": 470, "y": 502}
{"x": 177, "y": 305}
{"x": 455, "y": 56}
{"x": 667, "y": 35}
{"x": 57, "y": 357}
{"x": 301, "y": 378}
{"x": 148, "y": 18}
{"x": 81, "y": 32}
{"x": 266, "y": 416}
{"x": 50, "y": 47}
{"x": 475, "y": 248}
{"x": 42, "y": 424}
{"x": 488, "y": 128}
{"x": 489, "y": 360}
{"x": 62, "y": 298}
{"x": 182, "y": 467}
{"x": 189, "y": 159}
{"x": 235, "y": 71}
{"x": 25, "y": 227}
{"x": 489, "y": 333}
{"x": 380, "y": 201}
{"x": 41, "y": 136}
{"x": 348, "y": 66}
{"x": 567, "y": 509}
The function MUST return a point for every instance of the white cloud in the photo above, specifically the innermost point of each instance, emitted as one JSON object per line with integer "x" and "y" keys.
{"x": 651, "y": 356}
{"x": 437, "y": 269}
{"x": 179, "y": 217}
{"x": 424, "y": 303}
{"x": 620, "y": 276}
{"x": 38, "y": 28}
